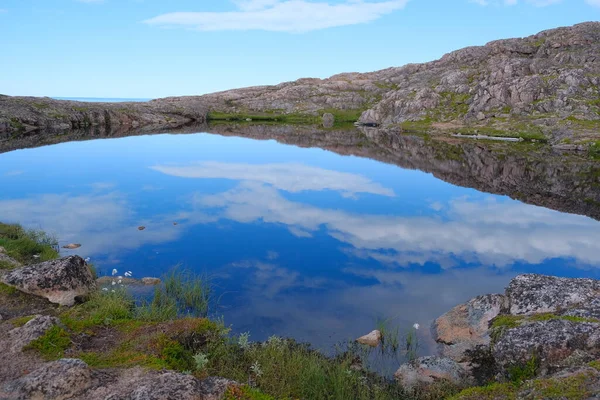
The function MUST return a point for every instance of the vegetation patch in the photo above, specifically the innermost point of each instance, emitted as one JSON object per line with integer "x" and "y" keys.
{"x": 494, "y": 391}
{"x": 27, "y": 246}
{"x": 572, "y": 388}
{"x": 18, "y": 322}
{"x": 52, "y": 344}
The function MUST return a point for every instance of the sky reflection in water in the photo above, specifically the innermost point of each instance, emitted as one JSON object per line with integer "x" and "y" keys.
{"x": 300, "y": 242}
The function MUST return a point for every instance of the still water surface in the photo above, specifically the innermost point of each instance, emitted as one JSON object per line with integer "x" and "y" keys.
{"x": 299, "y": 242}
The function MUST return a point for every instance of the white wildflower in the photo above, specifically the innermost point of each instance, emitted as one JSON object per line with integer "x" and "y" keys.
{"x": 114, "y": 272}
{"x": 416, "y": 326}
{"x": 128, "y": 274}
{"x": 120, "y": 281}
{"x": 114, "y": 283}
{"x": 87, "y": 259}
{"x": 105, "y": 289}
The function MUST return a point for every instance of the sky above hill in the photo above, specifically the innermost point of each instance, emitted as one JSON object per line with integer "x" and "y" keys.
{"x": 157, "y": 48}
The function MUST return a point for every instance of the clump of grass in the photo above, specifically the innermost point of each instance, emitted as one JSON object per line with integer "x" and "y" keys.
{"x": 285, "y": 369}
{"x": 191, "y": 293}
{"x": 518, "y": 374}
{"x": 245, "y": 393}
{"x": 18, "y": 322}
{"x": 52, "y": 344}
{"x": 28, "y": 246}
{"x": 104, "y": 308}
{"x": 505, "y": 391}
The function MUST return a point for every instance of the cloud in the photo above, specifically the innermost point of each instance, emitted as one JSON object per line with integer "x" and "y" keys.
{"x": 291, "y": 177}
{"x": 537, "y": 3}
{"x": 595, "y": 3}
{"x": 14, "y": 172}
{"x": 492, "y": 233}
{"x": 294, "y": 16}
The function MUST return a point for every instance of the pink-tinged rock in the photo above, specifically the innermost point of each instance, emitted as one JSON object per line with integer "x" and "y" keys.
{"x": 372, "y": 339}
{"x": 466, "y": 326}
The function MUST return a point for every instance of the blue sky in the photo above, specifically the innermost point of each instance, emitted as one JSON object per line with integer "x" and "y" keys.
{"x": 156, "y": 48}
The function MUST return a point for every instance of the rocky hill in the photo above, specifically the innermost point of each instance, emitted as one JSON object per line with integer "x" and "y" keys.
{"x": 543, "y": 87}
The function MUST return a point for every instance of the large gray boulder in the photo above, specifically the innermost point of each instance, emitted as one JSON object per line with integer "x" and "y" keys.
{"x": 60, "y": 281}
{"x": 466, "y": 326}
{"x": 533, "y": 294}
{"x": 554, "y": 344}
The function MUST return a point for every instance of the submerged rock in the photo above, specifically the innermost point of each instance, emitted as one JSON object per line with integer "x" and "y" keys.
{"x": 141, "y": 228}
{"x": 372, "y": 339}
{"x": 553, "y": 345}
{"x": 151, "y": 281}
{"x": 466, "y": 326}
{"x": 72, "y": 246}
{"x": 61, "y": 281}
{"x": 427, "y": 370}
{"x": 532, "y": 294}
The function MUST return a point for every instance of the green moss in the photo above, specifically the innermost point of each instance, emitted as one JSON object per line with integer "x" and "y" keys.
{"x": 18, "y": 322}
{"x": 7, "y": 265}
{"x": 495, "y": 391}
{"x": 121, "y": 358}
{"x": 174, "y": 354}
{"x": 7, "y": 290}
{"x": 245, "y": 393}
{"x": 594, "y": 150}
{"x": 595, "y": 364}
{"x": 571, "y": 388}
{"x": 52, "y": 344}
{"x": 17, "y": 125}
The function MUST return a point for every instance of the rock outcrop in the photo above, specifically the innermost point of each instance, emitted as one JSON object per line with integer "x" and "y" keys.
{"x": 542, "y": 326}
{"x": 60, "y": 281}
{"x": 532, "y": 294}
{"x": 73, "y": 379}
{"x": 544, "y": 86}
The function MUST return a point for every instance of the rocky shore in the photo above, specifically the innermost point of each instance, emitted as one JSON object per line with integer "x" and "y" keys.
{"x": 543, "y": 88}
{"x": 540, "y": 339}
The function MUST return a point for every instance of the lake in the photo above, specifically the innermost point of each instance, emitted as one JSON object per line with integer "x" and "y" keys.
{"x": 307, "y": 242}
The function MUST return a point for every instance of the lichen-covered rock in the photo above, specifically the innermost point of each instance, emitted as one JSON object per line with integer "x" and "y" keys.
{"x": 466, "y": 326}
{"x": 533, "y": 294}
{"x": 140, "y": 384}
{"x": 427, "y": 370}
{"x": 371, "y": 339}
{"x": 32, "y": 330}
{"x": 553, "y": 344}
{"x": 7, "y": 260}
{"x": 62, "y": 379}
{"x": 60, "y": 281}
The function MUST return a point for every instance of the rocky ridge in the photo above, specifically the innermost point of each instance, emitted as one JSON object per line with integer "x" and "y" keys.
{"x": 542, "y": 87}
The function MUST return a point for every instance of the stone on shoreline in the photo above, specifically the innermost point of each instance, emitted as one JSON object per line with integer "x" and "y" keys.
{"x": 72, "y": 246}
{"x": 108, "y": 280}
{"x": 466, "y": 326}
{"x": 372, "y": 339}
{"x": 61, "y": 281}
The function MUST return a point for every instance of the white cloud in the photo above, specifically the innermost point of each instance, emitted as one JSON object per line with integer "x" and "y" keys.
{"x": 282, "y": 15}
{"x": 291, "y": 177}
{"x": 537, "y": 3}
{"x": 595, "y": 3}
{"x": 490, "y": 233}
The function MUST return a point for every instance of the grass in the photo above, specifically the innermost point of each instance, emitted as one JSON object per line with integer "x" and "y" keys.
{"x": 18, "y": 322}
{"x": 52, "y": 344}
{"x": 27, "y": 246}
{"x": 342, "y": 117}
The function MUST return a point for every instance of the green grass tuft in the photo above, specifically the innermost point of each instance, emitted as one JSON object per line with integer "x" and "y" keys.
{"x": 27, "y": 246}
{"x": 52, "y": 344}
